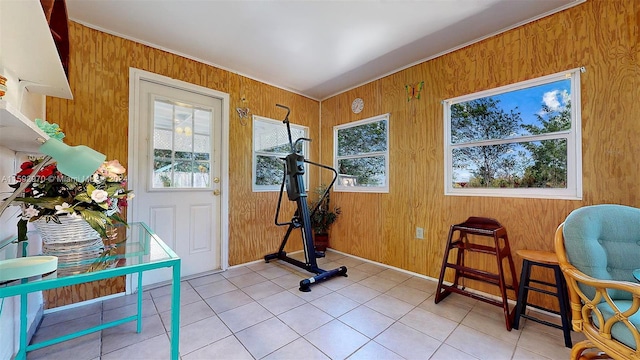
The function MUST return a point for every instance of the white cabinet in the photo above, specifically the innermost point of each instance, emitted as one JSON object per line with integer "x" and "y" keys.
{"x": 28, "y": 51}
{"x": 16, "y": 131}
{"x": 29, "y": 60}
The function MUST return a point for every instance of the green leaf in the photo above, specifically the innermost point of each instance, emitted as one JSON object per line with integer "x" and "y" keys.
{"x": 22, "y": 230}
{"x": 112, "y": 189}
{"x": 44, "y": 202}
{"x": 116, "y": 217}
{"x": 97, "y": 220}
{"x": 83, "y": 197}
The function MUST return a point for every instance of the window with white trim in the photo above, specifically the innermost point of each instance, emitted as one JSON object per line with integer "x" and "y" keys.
{"x": 519, "y": 140}
{"x": 361, "y": 155}
{"x": 270, "y": 145}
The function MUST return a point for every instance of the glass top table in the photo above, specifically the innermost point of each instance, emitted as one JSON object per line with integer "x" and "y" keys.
{"x": 136, "y": 249}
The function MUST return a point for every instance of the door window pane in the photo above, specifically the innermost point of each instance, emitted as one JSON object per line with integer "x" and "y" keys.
{"x": 181, "y": 146}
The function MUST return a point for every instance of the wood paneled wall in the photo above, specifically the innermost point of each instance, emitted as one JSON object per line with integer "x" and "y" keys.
{"x": 98, "y": 117}
{"x": 601, "y": 35}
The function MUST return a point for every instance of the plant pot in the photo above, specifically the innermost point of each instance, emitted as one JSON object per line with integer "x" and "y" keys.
{"x": 321, "y": 241}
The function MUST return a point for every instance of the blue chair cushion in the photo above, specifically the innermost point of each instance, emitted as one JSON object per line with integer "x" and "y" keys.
{"x": 603, "y": 241}
{"x": 619, "y": 330}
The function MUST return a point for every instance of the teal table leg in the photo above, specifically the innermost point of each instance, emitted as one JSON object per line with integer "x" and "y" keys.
{"x": 175, "y": 312}
{"x": 139, "y": 328}
{"x": 172, "y": 261}
{"x": 22, "y": 352}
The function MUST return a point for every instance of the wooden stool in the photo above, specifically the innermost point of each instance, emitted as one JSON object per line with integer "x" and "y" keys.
{"x": 548, "y": 260}
{"x": 499, "y": 248}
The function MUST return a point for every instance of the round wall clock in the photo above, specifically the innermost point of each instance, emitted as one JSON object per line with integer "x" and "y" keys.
{"x": 357, "y": 105}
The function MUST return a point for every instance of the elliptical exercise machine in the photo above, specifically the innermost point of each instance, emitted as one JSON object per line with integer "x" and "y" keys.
{"x": 294, "y": 180}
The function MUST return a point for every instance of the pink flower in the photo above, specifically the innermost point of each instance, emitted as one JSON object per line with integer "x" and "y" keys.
{"x": 112, "y": 170}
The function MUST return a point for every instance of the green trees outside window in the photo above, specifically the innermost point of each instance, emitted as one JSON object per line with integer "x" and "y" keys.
{"x": 270, "y": 145}
{"x": 362, "y": 155}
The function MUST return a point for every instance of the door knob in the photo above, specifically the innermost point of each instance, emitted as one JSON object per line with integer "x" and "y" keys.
{"x": 216, "y": 192}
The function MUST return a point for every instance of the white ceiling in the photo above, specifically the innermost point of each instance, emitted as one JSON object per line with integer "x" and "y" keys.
{"x": 314, "y": 48}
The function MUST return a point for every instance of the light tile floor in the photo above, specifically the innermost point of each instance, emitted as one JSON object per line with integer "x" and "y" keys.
{"x": 256, "y": 312}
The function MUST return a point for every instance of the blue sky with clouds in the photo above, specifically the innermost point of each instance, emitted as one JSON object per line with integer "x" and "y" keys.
{"x": 529, "y": 102}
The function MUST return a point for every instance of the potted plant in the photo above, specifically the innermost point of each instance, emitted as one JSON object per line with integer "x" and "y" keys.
{"x": 322, "y": 219}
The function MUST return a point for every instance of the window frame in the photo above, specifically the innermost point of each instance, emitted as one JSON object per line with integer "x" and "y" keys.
{"x": 254, "y": 155}
{"x": 573, "y": 136}
{"x": 366, "y": 189}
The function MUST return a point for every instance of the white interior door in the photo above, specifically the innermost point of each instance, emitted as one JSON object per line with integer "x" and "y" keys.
{"x": 178, "y": 174}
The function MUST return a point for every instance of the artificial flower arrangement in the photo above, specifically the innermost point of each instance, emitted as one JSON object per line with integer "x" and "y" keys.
{"x": 97, "y": 200}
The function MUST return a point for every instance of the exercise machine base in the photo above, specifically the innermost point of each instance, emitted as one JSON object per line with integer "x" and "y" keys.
{"x": 306, "y": 283}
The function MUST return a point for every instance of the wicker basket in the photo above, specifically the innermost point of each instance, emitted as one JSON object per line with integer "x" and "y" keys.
{"x": 74, "y": 257}
{"x": 76, "y": 244}
{"x": 70, "y": 230}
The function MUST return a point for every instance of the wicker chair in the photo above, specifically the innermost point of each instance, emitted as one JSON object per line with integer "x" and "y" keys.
{"x": 598, "y": 248}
